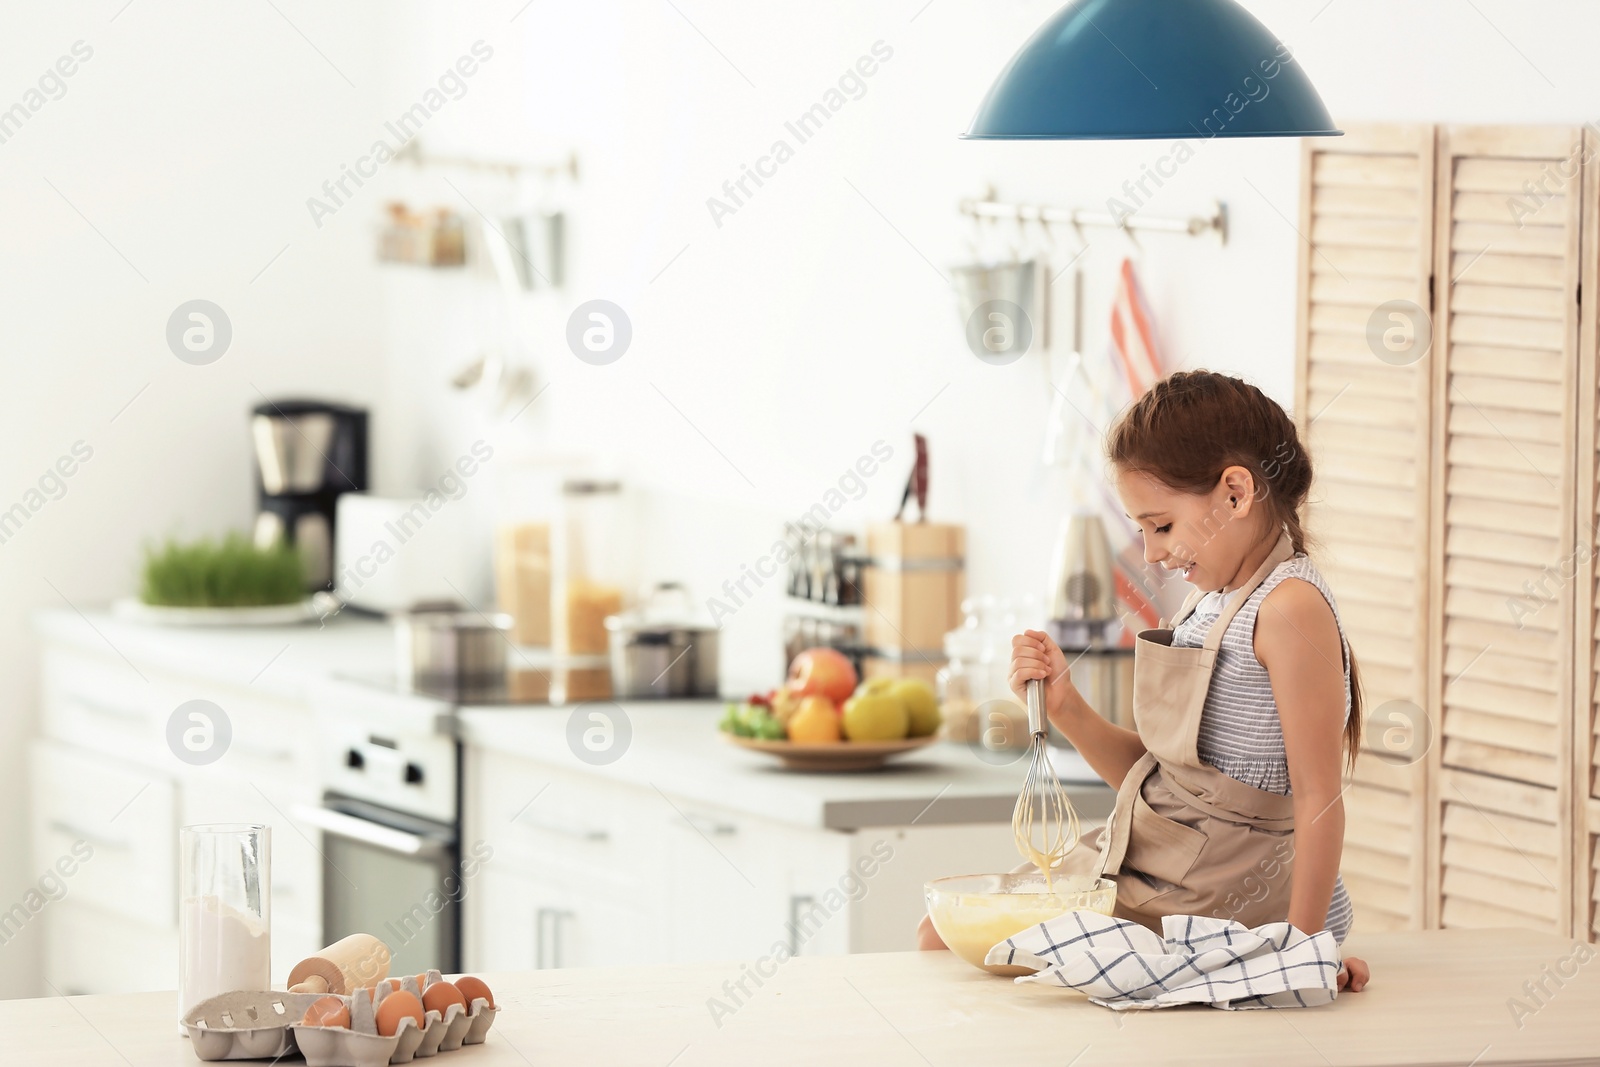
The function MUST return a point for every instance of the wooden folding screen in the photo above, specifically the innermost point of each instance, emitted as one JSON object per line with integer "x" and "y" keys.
{"x": 1504, "y": 490}
{"x": 1366, "y": 224}
{"x": 1585, "y": 835}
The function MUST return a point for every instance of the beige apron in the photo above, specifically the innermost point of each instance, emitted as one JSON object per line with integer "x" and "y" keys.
{"x": 1184, "y": 838}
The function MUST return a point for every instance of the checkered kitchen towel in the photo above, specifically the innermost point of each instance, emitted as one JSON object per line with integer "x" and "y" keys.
{"x": 1199, "y": 960}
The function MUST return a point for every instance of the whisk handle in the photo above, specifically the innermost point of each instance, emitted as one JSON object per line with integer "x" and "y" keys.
{"x": 1036, "y": 723}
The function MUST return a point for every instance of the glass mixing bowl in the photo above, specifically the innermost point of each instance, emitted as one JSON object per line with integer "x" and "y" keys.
{"x": 975, "y": 912}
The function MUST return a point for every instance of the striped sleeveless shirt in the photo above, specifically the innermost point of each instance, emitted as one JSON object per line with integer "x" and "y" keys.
{"x": 1240, "y": 732}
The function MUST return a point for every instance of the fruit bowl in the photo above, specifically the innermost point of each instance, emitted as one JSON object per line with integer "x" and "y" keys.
{"x": 974, "y": 912}
{"x": 833, "y": 756}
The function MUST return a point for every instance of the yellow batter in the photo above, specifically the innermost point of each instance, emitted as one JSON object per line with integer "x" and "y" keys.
{"x": 973, "y": 923}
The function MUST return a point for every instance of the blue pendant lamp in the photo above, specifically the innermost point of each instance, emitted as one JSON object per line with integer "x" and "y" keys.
{"x": 1123, "y": 69}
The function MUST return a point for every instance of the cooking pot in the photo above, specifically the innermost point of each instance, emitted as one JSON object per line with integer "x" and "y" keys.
{"x": 664, "y": 648}
{"x": 451, "y": 652}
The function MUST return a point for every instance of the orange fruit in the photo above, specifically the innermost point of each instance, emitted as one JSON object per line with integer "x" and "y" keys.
{"x": 815, "y": 722}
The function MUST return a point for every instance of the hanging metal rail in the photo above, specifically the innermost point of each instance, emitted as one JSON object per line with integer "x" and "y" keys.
{"x": 1194, "y": 225}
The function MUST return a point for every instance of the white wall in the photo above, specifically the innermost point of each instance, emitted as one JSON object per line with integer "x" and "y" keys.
{"x": 804, "y": 328}
{"x": 815, "y": 319}
{"x": 188, "y": 140}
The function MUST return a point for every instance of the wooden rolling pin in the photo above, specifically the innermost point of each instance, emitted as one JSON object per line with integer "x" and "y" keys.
{"x": 348, "y": 964}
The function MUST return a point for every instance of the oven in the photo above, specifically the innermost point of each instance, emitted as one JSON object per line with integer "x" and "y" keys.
{"x": 391, "y": 832}
{"x": 392, "y": 875}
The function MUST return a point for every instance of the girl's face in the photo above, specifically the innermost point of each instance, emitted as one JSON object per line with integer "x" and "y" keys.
{"x": 1206, "y": 536}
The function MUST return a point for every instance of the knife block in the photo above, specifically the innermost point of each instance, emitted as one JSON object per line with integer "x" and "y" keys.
{"x": 912, "y": 588}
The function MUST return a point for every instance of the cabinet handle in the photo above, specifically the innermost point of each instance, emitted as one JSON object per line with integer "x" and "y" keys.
{"x": 709, "y": 826}
{"x": 266, "y": 755}
{"x": 98, "y": 841}
{"x": 797, "y": 901}
{"x": 107, "y": 711}
{"x": 575, "y": 833}
{"x": 547, "y": 937}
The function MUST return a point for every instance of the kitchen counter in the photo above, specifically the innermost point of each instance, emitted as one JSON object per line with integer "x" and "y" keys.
{"x": 676, "y": 748}
{"x": 281, "y": 660}
{"x": 1436, "y": 997}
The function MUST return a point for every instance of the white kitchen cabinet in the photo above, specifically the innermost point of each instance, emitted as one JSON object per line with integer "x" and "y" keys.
{"x": 739, "y": 884}
{"x": 96, "y": 703}
{"x": 589, "y": 870}
{"x": 107, "y": 829}
{"x": 103, "y": 774}
{"x": 579, "y": 928}
{"x": 500, "y": 920}
{"x": 518, "y": 920}
{"x": 574, "y": 879}
{"x": 89, "y": 950}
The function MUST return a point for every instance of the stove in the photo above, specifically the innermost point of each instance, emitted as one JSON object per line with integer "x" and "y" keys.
{"x": 390, "y": 820}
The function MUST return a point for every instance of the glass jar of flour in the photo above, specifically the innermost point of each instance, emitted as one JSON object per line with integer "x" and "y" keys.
{"x": 224, "y": 911}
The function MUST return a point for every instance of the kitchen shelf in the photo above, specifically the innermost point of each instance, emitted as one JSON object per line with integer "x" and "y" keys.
{"x": 412, "y": 152}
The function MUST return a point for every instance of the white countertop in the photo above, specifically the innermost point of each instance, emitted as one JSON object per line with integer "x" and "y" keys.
{"x": 1436, "y": 997}
{"x": 676, "y": 748}
{"x": 282, "y": 660}
{"x": 675, "y": 745}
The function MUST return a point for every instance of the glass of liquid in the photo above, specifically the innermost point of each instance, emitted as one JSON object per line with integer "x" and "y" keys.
{"x": 224, "y": 911}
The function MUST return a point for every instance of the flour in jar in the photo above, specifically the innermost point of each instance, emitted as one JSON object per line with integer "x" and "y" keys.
{"x": 220, "y": 949}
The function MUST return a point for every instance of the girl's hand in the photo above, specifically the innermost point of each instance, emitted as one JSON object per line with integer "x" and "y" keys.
{"x": 1034, "y": 655}
{"x": 1354, "y": 973}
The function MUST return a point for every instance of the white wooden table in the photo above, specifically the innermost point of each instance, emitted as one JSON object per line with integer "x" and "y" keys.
{"x": 1436, "y": 997}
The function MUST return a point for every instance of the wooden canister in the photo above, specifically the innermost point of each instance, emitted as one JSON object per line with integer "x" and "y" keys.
{"x": 913, "y": 584}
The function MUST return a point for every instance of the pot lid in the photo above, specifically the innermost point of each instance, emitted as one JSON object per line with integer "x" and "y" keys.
{"x": 668, "y": 607}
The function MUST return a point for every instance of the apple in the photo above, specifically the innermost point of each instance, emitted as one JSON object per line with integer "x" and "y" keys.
{"x": 875, "y": 685}
{"x": 822, "y": 672}
{"x": 875, "y": 717}
{"x": 921, "y": 705}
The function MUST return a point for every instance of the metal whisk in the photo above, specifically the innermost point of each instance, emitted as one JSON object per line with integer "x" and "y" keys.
{"x": 1044, "y": 821}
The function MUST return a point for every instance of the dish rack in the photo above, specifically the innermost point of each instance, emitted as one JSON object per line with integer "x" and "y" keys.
{"x": 264, "y": 1025}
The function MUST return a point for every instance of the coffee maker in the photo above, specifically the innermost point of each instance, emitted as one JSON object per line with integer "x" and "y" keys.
{"x": 308, "y": 452}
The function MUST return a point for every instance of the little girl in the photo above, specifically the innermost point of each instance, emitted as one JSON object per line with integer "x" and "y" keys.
{"x": 1229, "y": 796}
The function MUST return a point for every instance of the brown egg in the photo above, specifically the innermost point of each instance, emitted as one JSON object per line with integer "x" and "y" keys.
{"x": 327, "y": 1011}
{"x": 397, "y": 1006}
{"x": 388, "y": 985}
{"x": 422, "y": 981}
{"x": 473, "y": 988}
{"x": 441, "y": 995}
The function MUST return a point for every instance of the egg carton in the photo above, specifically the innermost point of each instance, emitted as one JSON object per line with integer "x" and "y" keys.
{"x": 362, "y": 1046}
{"x": 247, "y": 1025}
{"x": 265, "y": 1025}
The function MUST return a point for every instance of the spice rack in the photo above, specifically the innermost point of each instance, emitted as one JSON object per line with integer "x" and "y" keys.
{"x": 887, "y": 608}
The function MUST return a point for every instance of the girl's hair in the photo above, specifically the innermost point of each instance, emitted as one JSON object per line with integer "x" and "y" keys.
{"x": 1191, "y": 426}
